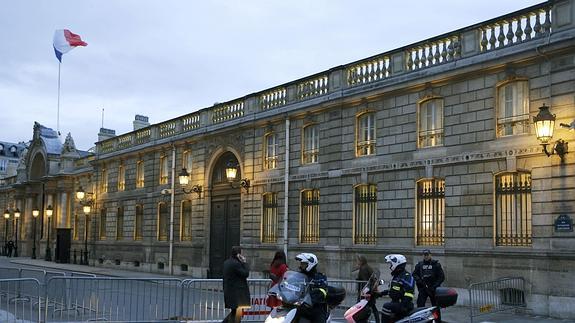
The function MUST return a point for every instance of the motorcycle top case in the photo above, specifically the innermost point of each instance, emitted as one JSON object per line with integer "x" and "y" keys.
{"x": 335, "y": 295}
{"x": 445, "y": 296}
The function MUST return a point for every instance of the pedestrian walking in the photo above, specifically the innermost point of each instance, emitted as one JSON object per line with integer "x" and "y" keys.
{"x": 428, "y": 275}
{"x": 236, "y": 291}
{"x": 364, "y": 274}
{"x": 278, "y": 267}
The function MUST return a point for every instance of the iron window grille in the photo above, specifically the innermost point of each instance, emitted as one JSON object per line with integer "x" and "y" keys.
{"x": 139, "y": 222}
{"x": 430, "y": 212}
{"x": 186, "y": 221}
{"x": 163, "y": 221}
{"x": 120, "y": 223}
{"x": 365, "y": 215}
{"x": 309, "y": 220}
{"x": 513, "y": 209}
{"x": 270, "y": 218}
{"x": 103, "y": 220}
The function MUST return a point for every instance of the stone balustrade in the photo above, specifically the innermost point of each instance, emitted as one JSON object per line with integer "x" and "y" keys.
{"x": 482, "y": 38}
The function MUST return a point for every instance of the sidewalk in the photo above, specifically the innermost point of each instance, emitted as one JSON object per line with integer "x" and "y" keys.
{"x": 460, "y": 314}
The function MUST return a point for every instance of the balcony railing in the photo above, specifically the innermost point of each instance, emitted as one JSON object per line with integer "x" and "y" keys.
{"x": 499, "y": 33}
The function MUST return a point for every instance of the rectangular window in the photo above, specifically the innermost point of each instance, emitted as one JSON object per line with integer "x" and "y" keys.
{"x": 140, "y": 174}
{"x": 513, "y": 108}
{"x": 164, "y": 170}
{"x": 365, "y": 136}
{"x": 104, "y": 180}
{"x": 3, "y": 165}
{"x": 309, "y": 216}
{"x": 102, "y": 233}
{"x": 121, "y": 177}
{"x": 270, "y": 151}
{"x": 163, "y": 221}
{"x": 430, "y": 123}
{"x": 513, "y": 209}
{"x": 365, "y": 215}
{"x": 310, "y": 144}
{"x": 139, "y": 222}
{"x": 187, "y": 160}
{"x": 186, "y": 221}
{"x": 430, "y": 223}
{"x": 270, "y": 218}
{"x": 120, "y": 223}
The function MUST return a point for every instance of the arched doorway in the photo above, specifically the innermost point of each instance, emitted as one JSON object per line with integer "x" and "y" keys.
{"x": 225, "y": 217}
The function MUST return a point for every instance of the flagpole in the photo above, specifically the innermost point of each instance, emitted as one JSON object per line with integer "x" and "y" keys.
{"x": 58, "y": 112}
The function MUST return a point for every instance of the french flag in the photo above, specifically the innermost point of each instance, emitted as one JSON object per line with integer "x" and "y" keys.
{"x": 65, "y": 41}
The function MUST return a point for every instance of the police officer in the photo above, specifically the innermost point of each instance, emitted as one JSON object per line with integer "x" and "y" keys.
{"x": 429, "y": 275}
{"x": 400, "y": 290}
{"x": 318, "y": 288}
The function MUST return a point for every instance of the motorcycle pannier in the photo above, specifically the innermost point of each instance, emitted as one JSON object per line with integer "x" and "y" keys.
{"x": 335, "y": 295}
{"x": 445, "y": 296}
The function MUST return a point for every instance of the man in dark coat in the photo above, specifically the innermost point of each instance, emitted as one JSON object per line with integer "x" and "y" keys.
{"x": 236, "y": 291}
{"x": 428, "y": 275}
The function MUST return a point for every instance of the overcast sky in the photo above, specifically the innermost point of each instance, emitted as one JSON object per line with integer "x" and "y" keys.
{"x": 167, "y": 58}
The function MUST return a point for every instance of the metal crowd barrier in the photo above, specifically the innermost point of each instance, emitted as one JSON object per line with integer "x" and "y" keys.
{"x": 496, "y": 296}
{"x": 16, "y": 308}
{"x": 112, "y": 299}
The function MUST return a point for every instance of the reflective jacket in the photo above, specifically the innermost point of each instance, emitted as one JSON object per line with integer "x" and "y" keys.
{"x": 401, "y": 288}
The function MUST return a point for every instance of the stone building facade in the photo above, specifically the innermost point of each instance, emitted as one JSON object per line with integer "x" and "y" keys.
{"x": 431, "y": 145}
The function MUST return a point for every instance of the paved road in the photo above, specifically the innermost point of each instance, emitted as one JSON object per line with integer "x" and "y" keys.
{"x": 140, "y": 294}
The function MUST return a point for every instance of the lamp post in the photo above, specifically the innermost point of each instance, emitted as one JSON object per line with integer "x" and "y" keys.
{"x": 35, "y": 214}
{"x": 16, "y": 218}
{"x": 6, "y": 217}
{"x": 49, "y": 212}
{"x": 184, "y": 179}
{"x": 544, "y": 127}
{"x": 86, "y": 200}
{"x": 87, "y": 209}
{"x": 232, "y": 173}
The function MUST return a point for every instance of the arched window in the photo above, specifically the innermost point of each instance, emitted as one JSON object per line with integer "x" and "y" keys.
{"x": 186, "y": 221}
{"x": 365, "y": 134}
{"x": 310, "y": 141}
{"x": 269, "y": 217}
{"x": 430, "y": 222}
{"x": 139, "y": 222}
{"x": 430, "y": 123}
{"x": 513, "y": 209}
{"x": 163, "y": 222}
{"x": 309, "y": 216}
{"x": 365, "y": 214}
{"x": 513, "y": 108}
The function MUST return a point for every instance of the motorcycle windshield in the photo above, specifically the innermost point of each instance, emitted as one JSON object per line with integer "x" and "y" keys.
{"x": 293, "y": 287}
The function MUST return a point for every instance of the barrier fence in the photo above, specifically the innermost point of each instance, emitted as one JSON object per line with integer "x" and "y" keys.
{"x": 496, "y": 296}
{"x": 54, "y": 297}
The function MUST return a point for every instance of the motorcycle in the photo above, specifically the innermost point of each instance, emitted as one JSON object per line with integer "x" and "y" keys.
{"x": 360, "y": 312}
{"x": 444, "y": 297}
{"x": 293, "y": 292}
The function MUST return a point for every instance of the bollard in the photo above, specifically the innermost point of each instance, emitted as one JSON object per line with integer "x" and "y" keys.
{"x": 74, "y": 256}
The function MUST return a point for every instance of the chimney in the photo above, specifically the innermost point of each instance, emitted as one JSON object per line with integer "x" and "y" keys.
{"x": 106, "y": 134}
{"x": 140, "y": 122}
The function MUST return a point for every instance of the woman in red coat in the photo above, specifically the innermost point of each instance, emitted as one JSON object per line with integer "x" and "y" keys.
{"x": 277, "y": 269}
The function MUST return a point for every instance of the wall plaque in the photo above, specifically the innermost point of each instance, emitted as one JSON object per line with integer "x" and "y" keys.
{"x": 563, "y": 223}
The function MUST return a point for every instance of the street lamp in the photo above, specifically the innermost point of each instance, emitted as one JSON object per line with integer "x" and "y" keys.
{"x": 49, "y": 212}
{"x": 86, "y": 200}
{"x": 232, "y": 173}
{"x": 6, "y": 217}
{"x": 87, "y": 209}
{"x": 544, "y": 127}
{"x": 184, "y": 179}
{"x": 16, "y": 218}
{"x": 35, "y": 214}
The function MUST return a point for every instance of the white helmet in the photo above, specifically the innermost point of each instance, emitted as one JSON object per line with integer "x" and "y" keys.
{"x": 395, "y": 260}
{"x": 309, "y": 258}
